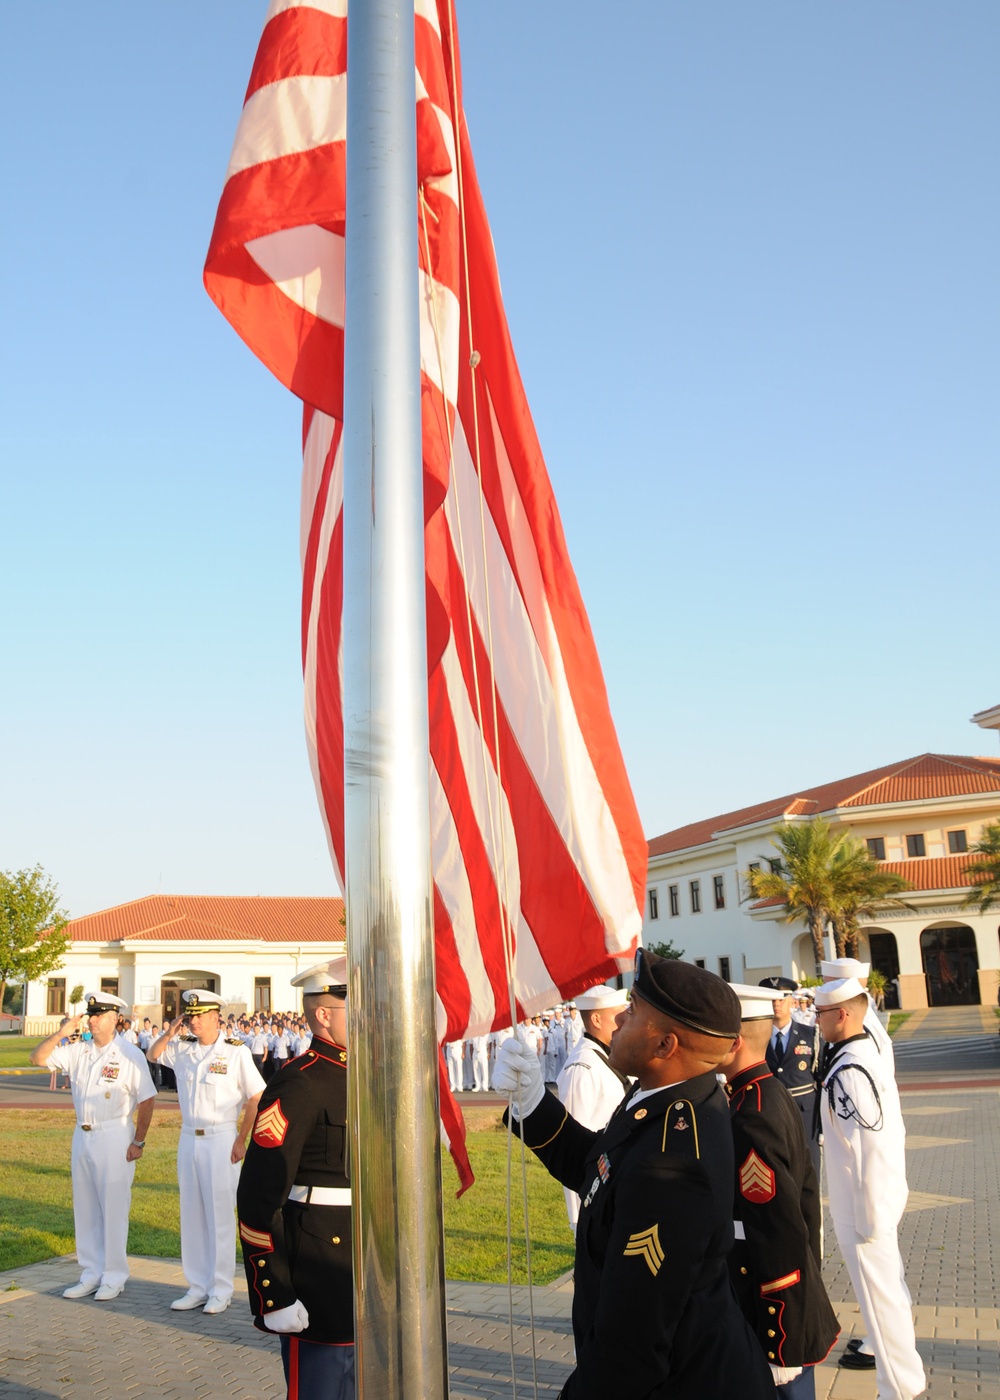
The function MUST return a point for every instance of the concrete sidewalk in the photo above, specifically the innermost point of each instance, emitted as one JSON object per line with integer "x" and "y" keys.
{"x": 135, "y": 1346}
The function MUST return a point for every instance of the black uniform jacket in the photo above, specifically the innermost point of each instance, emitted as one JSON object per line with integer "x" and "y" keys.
{"x": 653, "y": 1311}
{"x": 776, "y": 1269}
{"x": 295, "y": 1250}
{"x": 797, "y": 1067}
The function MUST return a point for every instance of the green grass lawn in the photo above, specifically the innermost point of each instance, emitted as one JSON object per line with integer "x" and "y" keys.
{"x": 15, "y": 1049}
{"x": 36, "y": 1199}
{"x": 897, "y": 1019}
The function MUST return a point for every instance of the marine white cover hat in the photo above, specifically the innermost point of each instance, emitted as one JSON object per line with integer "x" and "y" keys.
{"x": 756, "y": 1003}
{"x": 96, "y": 1002}
{"x": 833, "y": 993}
{"x": 329, "y": 976}
{"x": 602, "y": 998}
{"x": 845, "y": 967}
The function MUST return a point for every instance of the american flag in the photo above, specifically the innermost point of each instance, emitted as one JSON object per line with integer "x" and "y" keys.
{"x": 537, "y": 845}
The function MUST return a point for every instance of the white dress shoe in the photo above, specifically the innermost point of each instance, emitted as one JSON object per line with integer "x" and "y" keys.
{"x": 81, "y": 1290}
{"x": 189, "y": 1301}
{"x": 108, "y": 1291}
{"x": 216, "y": 1305}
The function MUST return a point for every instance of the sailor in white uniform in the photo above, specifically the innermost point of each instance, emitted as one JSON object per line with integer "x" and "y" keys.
{"x": 110, "y": 1081}
{"x": 216, "y": 1081}
{"x": 574, "y": 1028}
{"x": 555, "y": 1048}
{"x": 480, "y": 1063}
{"x": 588, "y": 1087}
{"x": 839, "y": 968}
{"x": 864, "y": 1141}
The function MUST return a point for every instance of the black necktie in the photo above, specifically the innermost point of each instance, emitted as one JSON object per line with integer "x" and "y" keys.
{"x": 779, "y": 1045}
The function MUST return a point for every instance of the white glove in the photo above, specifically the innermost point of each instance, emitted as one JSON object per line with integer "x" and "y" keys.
{"x": 519, "y": 1075}
{"x": 294, "y": 1318}
{"x": 784, "y": 1375}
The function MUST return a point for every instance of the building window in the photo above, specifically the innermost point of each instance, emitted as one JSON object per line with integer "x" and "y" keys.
{"x": 56, "y": 998}
{"x": 957, "y": 843}
{"x": 654, "y": 905}
{"x": 719, "y": 885}
{"x": 876, "y": 847}
{"x": 775, "y": 866}
{"x": 699, "y": 962}
{"x": 695, "y": 888}
{"x": 110, "y": 985}
{"x": 724, "y": 969}
{"x": 915, "y": 845}
{"x": 674, "y": 895}
{"x": 262, "y": 994}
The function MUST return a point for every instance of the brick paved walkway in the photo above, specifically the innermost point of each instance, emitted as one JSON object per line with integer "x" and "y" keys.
{"x": 135, "y": 1346}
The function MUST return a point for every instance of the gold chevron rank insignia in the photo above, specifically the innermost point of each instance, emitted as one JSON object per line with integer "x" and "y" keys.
{"x": 756, "y": 1179}
{"x": 271, "y": 1126}
{"x": 646, "y": 1244}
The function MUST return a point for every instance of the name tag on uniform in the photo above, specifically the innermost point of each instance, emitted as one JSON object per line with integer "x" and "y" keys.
{"x": 110, "y": 1071}
{"x": 219, "y": 1067}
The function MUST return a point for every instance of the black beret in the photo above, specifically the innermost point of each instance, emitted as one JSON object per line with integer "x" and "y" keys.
{"x": 691, "y": 995}
{"x": 779, "y": 984}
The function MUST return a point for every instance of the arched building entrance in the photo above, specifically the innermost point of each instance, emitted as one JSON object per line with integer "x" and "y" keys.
{"x": 951, "y": 965}
{"x": 172, "y": 986}
{"x": 884, "y": 957}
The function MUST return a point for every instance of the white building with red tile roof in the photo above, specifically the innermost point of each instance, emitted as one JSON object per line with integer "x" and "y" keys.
{"x": 245, "y": 948}
{"x": 919, "y": 817}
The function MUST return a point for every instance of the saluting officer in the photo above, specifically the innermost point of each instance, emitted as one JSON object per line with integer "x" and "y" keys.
{"x": 110, "y": 1081}
{"x": 776, "y": 1261}
{"x": 216, "y": 1081}
{"x": 294, "y": 1201}
{"x": 653, "y": 1309}
{"x": 588, "y": 1085}
{"x": 793, "y": 1057}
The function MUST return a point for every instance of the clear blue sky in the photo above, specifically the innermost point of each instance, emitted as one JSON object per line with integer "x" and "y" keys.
{"x": 749, "y": 254}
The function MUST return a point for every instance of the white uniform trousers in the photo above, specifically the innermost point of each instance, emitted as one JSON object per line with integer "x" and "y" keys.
{"x": 876, "y": 1270}
{"x": 208, "y": 1181}
{"x": 481, "y": 1069}
{"x": 102, "y": 1195}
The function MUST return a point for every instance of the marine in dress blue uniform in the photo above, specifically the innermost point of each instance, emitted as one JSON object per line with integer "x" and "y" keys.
{"x": 294, "y": 1202}
{"x": 775, "y": 1264}
{"x": 653, "y": 1311}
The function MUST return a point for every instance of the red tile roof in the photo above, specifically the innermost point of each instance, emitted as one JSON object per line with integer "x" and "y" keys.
{"x": 930, "y": 873}
{"x": 913, "y": 780}
{"x": 215, "y": 918}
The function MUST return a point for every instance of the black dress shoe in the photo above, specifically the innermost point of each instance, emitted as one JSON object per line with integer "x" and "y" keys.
{"x": 857, "y": 1361}
{"x": 854, "y": 1344}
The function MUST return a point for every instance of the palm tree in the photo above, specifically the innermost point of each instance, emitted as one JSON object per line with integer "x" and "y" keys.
{"x": 985, "y": 873}
{"x": 860, "y": 887}
{"x": 805, "y": 879}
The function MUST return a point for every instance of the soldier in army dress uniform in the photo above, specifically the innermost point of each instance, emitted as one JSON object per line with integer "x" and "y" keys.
{"x": 294, "y": 1202}
{"x": 793, "y": 1057}
{"x": 653, "y": 1310}
{"x": 776, "y": 1261}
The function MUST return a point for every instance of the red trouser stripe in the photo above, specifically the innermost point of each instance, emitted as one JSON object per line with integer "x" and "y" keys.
{"x": 293, "y": 1368}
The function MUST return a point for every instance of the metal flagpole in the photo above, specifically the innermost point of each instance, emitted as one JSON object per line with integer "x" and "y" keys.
{"x": 392, "y": 1053}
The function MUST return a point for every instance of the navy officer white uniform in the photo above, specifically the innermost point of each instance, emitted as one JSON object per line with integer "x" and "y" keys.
{"x": 590, "y": 1089}
{"x": 110, "y": 1081}
{"x": 864, "y": 1141}
{"x": 653, "y": 1310}
{"x": 216, "y": 1081}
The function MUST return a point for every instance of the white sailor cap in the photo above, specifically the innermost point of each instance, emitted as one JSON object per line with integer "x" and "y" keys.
{"x": 97, "y": 1002}
{"x": 845, "y": 967}
{"x": 833, "y": 993}
{"x": 756, "y": 1003}
{"x": 329, "y": 976}
{"x": 197, "y": 1000}
{"x": 602, "y": 998}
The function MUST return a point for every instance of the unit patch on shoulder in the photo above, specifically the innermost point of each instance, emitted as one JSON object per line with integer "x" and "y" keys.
{"x": 645, "y": 1244}
{"x": 271, "y": 1126}
{"x": 756, "y": 1179}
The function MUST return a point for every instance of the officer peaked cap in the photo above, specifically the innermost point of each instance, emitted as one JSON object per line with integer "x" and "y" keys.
{"x": 691, "y": 995}
{"x": 784, "y": 985}
{"x": 97, "y": 1002}
{"x": 197, "y": 1000}
{"x": 755, "y": 1002}
{"x": 329, "y": 977}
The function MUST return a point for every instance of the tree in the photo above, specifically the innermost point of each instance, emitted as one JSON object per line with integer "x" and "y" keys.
{"x": 32, "y": 937}
{"x": 985, "y": 873}
{"x": 804, "y": 881}
{"x": 861, "y": 885}
{"x": 666, "y": 950}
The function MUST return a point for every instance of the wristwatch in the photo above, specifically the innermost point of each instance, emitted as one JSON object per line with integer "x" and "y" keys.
{"x": 137, "y": 1143}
